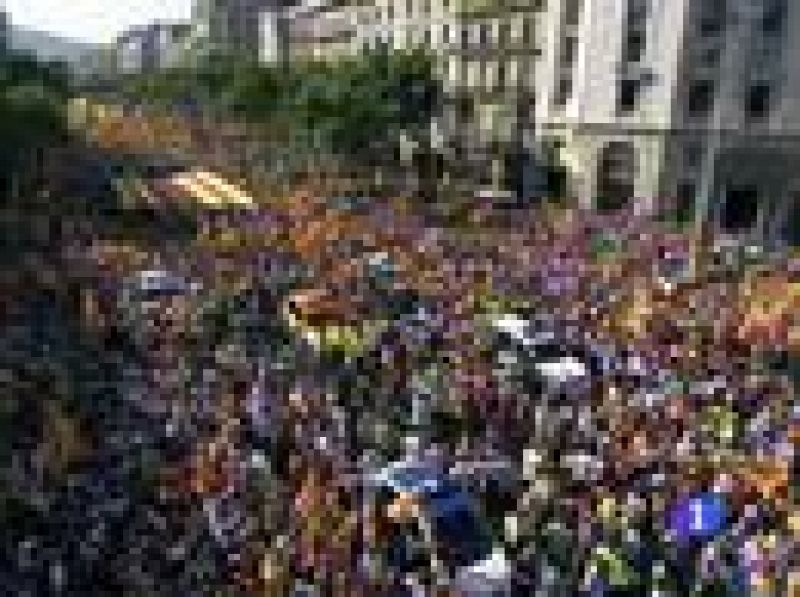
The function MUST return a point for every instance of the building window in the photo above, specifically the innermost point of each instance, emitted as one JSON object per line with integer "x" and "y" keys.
{"x": 503, "y": 33}
{"x": 526, "y": 32}
{"x": 712, "y": 17}
{"x": 638, "y": 11}
{"x": 635, "y": 36}
{"x": 701, "y": 97}
{"x": 572, "y": 12}
{"x": 564, "y": 91}
{"x": 570, "y": 21}
{"x": 483, "y": 34}
{"x": 568, "y": 51}
{"x": 774, "y": 17}
{"x": 685, "y": 201}
{"x": 616, "y": 175}
{"x": 465, "y": 108}
{"x": 501, "y": 75}
{"x": 791, "y": 227}
{"x": 446, "y": 33}
{"x": 692, "y": 155}
{"x": 686, "y": 191}
{"x": 758, "y": 99}
{"x": 710, "y": 57}
{"x": 628, "y": 95}
{"x": 740, "y": 209}
{"x": 634, "y": 47}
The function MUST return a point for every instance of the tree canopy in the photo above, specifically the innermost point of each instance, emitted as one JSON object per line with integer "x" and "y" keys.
{"x": 345, "y": 106}
{"x": 32, "y": 101}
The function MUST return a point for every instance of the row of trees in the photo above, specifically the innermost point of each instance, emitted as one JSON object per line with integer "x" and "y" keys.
{"x": 351, "y": 106}
{"x": 355, "y": 109}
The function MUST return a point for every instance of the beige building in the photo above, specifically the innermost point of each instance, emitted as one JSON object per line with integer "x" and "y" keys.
{"x": 151, "y": 47}
{"x": 675, "y": 98}
{"x": 243, "y": 27}
{"x": 327, "y": 29}
{"x": 491, "y": 62}
{"x": 323, "y": 30}
{"x": 485, "y": 54}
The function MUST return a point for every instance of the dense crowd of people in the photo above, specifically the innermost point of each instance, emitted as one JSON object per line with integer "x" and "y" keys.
{"x": 329, "y": 396}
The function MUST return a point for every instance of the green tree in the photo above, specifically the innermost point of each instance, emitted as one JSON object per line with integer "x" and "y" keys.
{"x": 357, "y": 107}
{"x": 32, "y": 100}
{"x": 351, "y": 110}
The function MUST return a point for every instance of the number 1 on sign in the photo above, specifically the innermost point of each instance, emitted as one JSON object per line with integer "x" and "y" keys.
{"x": 697, "y": 516}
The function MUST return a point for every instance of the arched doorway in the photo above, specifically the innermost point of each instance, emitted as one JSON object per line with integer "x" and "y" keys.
{"x": 740, "y": 209}
{"x": 616, "y": 174}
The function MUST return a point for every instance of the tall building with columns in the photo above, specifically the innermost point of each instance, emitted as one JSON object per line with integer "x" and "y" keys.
{"x": 687, "y": 99}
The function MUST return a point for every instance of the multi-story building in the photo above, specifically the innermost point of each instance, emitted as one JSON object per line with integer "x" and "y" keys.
{"x": 243, "y": 27}
{"x": 323, "y": 29}
{"x": 679, "y": 98}
{"x": 484, "y": 50}
{"x": 150, "y": 47}
{"x": 492, "y": 56}
{"x": 328, "y": 29}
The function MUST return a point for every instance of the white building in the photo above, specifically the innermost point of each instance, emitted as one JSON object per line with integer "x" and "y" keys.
{"x": 151, "y": 47}
{"x": 483, "y": 45}
{"x": 252, "y": 28}
{"x": 675, "y": 98}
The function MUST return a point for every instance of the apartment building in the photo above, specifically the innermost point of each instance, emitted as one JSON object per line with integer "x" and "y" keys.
{"x": 484, "y": 49}
{"x": 323, "y": 29}
{"x": 675, "y": 98}
{"x": 328, "y": 29}
{"x": 149, "y": 47}
{"x": 492, "y": 59}
{"x": 253, "y": 28}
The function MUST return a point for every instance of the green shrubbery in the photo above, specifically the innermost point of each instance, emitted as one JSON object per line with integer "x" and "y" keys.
{"x": 32, "y": 101}
{"x": 345, "y": 107}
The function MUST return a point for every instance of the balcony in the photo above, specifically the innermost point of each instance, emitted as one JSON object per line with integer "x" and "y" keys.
{"x": 482, "y": 9}
{"x": 491, "y": 41}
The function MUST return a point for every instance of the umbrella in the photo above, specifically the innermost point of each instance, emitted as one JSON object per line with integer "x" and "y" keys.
{"x": 156, "y": 283}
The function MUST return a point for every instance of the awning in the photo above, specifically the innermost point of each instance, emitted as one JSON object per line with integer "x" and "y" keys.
{"x": 211, "y": 190}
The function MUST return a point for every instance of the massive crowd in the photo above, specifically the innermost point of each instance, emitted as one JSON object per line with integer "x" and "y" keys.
{"x": 329, "y": 396}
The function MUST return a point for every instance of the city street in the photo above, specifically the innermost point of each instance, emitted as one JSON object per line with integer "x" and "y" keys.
{"x": 401, "y": 322}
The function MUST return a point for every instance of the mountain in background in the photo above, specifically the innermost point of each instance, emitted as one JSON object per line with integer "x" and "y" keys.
{"x": 82, "y": 58}
{"x": 49, "y": 47}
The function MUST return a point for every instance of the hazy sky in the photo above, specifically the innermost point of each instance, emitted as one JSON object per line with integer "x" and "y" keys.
{"x": 92, "y": 20}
